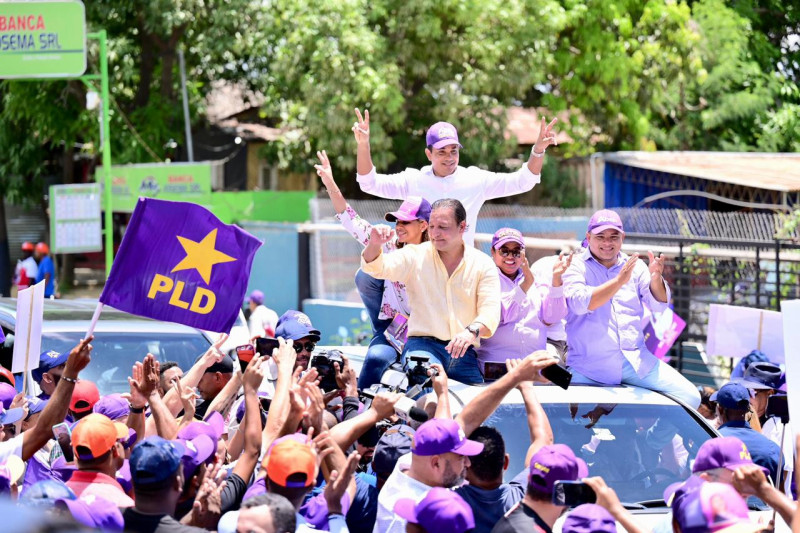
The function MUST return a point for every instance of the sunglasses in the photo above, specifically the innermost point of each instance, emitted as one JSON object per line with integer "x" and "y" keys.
{"x": 514, "y": 253}
{"x": 308, "y": 346}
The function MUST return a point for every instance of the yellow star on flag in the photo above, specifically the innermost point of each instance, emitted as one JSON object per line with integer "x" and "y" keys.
{"x": 202, "y": 255}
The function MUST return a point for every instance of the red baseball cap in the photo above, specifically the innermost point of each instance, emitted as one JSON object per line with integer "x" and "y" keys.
{"x": 96, "y": 434}
{"x": 27, "y": 246}
{"x": 84, "y": 396}
{"x": 7, "y": 376}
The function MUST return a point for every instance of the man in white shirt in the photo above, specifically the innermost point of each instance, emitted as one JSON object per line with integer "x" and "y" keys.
{"x": 263, "y": 320}
{"x": 439, "y": 458}
{"x": 27, "y": 268}
{"x": 443, "y": 178}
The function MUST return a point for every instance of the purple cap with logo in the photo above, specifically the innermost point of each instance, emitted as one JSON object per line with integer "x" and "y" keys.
{"x": 732, "y": 396}
{"x": 506, "y": 235}
{"x": 589, "y": 518}
{"x": 7, "y": 393}
{"x": 196, "y": 452}
{"x": 114, "y": 406}
{"x": 294, "y": 325}
{"x": 440, "y": 510}
{"x": 555, "y": 462}
{"x": 414, "y": 208}
{"x": 722, "y": 452}
{"x": 603, "y": 220}
{"x": 441, "y": 134}
{"x": 95, "y": 512}
{"x": 713, "y": 507}
{"x": 213, "y": 426}
{"x": 440, "y": 435}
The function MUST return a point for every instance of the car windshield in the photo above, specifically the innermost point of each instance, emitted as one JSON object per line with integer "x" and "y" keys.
{"x": 639, "y": 449}
{"x": 115, "y": 353}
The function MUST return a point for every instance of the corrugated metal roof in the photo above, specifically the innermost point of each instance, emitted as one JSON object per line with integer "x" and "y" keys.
{"x": 771, "y": 171}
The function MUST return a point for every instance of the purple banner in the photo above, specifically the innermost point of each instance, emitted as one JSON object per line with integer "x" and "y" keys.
{"x": 661, "y": 333}
{"x": 179, "y": 263}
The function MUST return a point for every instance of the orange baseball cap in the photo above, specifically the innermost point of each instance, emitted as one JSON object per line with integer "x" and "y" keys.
{"x": 84, "y": 396}
{"x": 42, "y": 247}
{"x": 288, "y": 458}
{"x": 96, "y": 434}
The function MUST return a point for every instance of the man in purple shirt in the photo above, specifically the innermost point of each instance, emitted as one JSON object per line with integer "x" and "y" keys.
{"x": 606, "y": 292}
{"x": 526, "y": 310}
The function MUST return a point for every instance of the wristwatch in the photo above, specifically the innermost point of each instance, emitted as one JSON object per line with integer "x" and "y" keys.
{"x": 475, "y": 329}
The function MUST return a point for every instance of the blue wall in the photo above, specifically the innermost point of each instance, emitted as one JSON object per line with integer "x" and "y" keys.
{"x": 341, "y": 323}
{"x": 275, "y": 265}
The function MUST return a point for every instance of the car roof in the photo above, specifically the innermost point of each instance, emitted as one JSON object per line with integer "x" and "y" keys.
{"x": 75, "y": 315}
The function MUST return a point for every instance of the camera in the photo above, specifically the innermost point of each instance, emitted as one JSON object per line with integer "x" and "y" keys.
{"x": 323, "y": 362}
{"x": 400, "y": 378}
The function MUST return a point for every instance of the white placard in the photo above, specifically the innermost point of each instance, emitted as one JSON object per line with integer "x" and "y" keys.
{"x": 28, "y": 328}
{"x": 791, "y": 340}
{"x": 736, "y": 331}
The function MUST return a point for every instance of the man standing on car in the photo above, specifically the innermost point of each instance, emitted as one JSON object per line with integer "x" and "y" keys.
{"x": 606, "y": 292}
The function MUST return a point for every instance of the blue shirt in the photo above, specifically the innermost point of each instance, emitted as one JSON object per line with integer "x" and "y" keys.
{"x": 46, "y": 267}
{"x": 489, "y": 506}
{"x": 763, "y": 451}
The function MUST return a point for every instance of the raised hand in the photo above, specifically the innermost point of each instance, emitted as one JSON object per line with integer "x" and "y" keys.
{"x": 559, "y": 267}
{"x": 284, "y": 356}
{"x": 655, "y": 265}
{"x": 254, "y": 374}
{"x": 79, "y": 358}
{"x": 361, "y": 127}
{"x": 438, "y": 379}
{"x": 207, "y": 506}
{"x": 381, "y": 234}
{"x": 324, "y": 169}
{"x": 338, "y": 483}
{"x": 214, "y": 354}
{"x": 188, "y": 397}
{"x": 529, "y": 368}
{"x": 346, "y": 378}
{"x": 547, "y": 136}
{"x": 627, "y": 269}
{"x": 136, "y": 397}
{"x": 384, "y": 403}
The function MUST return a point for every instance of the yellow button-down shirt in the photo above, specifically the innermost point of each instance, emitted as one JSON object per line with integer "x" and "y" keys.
{"x": 442, "y": 305}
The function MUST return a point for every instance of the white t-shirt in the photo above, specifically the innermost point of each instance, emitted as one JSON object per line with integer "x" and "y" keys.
{"x": 263, "y": 321}
{"x": 11, "y": 447}
{"x": 397, "y": 487}
{"x": 772, "y": 429}
{"x": 30, "y": 268}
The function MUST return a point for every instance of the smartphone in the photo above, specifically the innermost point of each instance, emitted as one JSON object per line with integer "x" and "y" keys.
{"x": 265, "y": 346}
{"x": 558, "y": 375}
{"x": 63, "y": 437}
{"x": 572, "y": 493}
{"x": 778, "y": 406}
{"x": 245, "y": 354}
{"x": 494, "y": 370}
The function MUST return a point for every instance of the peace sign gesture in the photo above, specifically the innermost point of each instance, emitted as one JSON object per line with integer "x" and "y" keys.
{"x": 324, "y": 168}
{"x": 361, "y": 127}
{"x": 547, "y": 136}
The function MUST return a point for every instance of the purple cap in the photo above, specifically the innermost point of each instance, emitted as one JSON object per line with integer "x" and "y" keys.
{"x": 722, "y": 452}
{"x": 7, "y": 393}
{"x": 36, "y": 405}
{"x": 732, "y": 396}
{"x": 712, "y": 507}
{"x": 440, "y": 510}
{"x": 678, "y": 489}
{"x": 11, "y": 416}
{"x": 603, "y": 220}
{"x": 506, "y": 235}
{"x": 196, "y": 452}
{"x": 240, "y": 410}
{"x": 213, "y": 426}
{"x": 440, "y": 435}
{"x": 95, "y": 512}
{"x": 441, "y": 134}
{"x": 123, "y": 477}
{"x": 589, "y": 518}
{"x": 114, "y": 406}
{"x": 393, "y": 444}
{"x": 257, "y": 297}
{"x": 294, "y": 325}
{"x": 555, "y": 462}
{"x": 414, "y": 208}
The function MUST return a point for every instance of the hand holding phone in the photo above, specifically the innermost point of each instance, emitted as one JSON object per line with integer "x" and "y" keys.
{"x": 572, "y": 493}
{"x": 558, "y": 375}
{"x": 493, "y": 370}
{"x": 63, "y": 437}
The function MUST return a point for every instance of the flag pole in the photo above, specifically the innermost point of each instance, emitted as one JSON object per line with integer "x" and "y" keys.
{"x": 95, "y": 318}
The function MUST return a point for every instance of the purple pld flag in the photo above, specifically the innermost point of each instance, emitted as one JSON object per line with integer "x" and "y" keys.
{"x": 661, "y": 333}
{"x": 178, "y": 262}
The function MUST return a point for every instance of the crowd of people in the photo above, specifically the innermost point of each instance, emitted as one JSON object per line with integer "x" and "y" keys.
{"x": 272, "y": 443}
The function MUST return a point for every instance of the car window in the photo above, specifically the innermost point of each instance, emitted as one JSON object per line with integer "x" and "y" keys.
{"x": 115, "y": 353}
{"x": 639, "y": 449}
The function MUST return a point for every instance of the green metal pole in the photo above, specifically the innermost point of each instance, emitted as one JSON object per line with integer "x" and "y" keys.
{"x": 106, "y": 134}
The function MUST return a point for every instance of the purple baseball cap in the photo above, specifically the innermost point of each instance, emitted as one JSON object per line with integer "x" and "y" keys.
{"x": 7, "y": 393}
{"x": 441, "y": 134}
{"x": 506, "y": 235}
{"x": 414, "y": 208}
{"x": 196, "y": 452}
{"x": 257, "y": 297}
{"x": 440, "y": 510}
{"x": 713, "y": 507}
{"x": 240, "y": 410}
{"x": 95, "y": 512}
{"x": 589, "y": 518}
{"x": 123, "y": 477}
{"x": 555, "y": 462}
{"x": 294, "y": 325}
{"x": 441, "y": 435}
{"x": 603, "y": 220}
{"x": 722, "y": 452}
{"x": 114, "y": 406}
{"x": 213, "y": 426}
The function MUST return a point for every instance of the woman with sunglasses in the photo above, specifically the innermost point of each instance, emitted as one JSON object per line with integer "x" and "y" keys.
{"x": 526, "y": 310}
{"x": 384, "y": 300}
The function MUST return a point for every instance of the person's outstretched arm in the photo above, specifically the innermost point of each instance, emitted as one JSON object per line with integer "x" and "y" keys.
{"x": 538, "y": 423}
{"x": 363, "y": 154}
{"x": 608, "y": 499}
{"x": 326, "y": 175}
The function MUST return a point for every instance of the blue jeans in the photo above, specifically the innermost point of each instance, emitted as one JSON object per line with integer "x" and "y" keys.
{"x": 464, "y": 369}
{"x": 371, "y": 291}
{"x": 662, "y": 378}
{"x": 380, "y": 353}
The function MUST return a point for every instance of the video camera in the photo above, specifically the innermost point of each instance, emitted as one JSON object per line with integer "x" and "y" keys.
{"x": 323, "y": 362}
{"x": 409, "y": 381}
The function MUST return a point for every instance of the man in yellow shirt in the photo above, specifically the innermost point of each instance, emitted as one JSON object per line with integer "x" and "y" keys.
{"x": 453, "y": 290}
